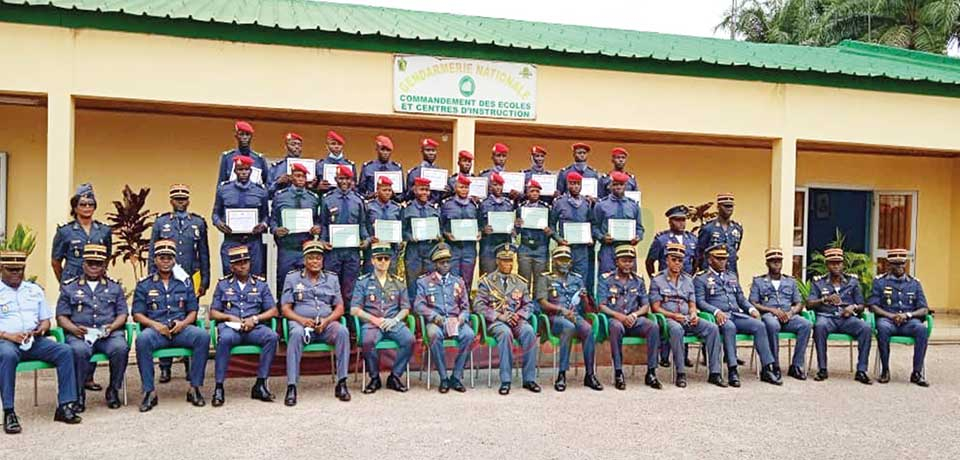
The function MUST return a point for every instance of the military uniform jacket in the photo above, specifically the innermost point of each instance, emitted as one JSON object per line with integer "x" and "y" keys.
{"x": 452, "y": 183}
{"x": 342, "y": 207}
{"x": 849, "y": 291}
{"x": 278, "y": 169}
{"x": 658, "y": 249}
{"x": 367, "y": 186}
{"x": 603, "y": 185}
{"x": 443, "y": 296}
{"x": 720, "y": 292}
{"x": 583, "y": 169}
{"x": 713, "y": 233}
{"x": 897, "y": 295}
{"x": 416, "y": 209}
{"x": 533, "y": 240}
{"x": 330, "y": 160}
{"x": 251, "y": 299}
{"x": 164, "y": 304}
{"x": 313, "y": 300}
{"x": 764, "y": 293}
{"x": 293, "y": 198}
{"x": 377, "y": 210}
{"x": 613, "y": 207}
{"x": 569, "y": 209}
{"x": 498, "y": 292}
{"x": 189, "y": 230}
{"x": 69, "y": 241}
{"x": 22, "y": 309}
{"x": 562, "y": 291}
{"x": 456, "y": 208}
{"x": 91, "y": 308}
{"x": 673, "y": 297}
{"x": 493, "y": 169}
{"x": 381, "y": 301}
{"x": 234, "y": 195}
{"x": 259, "y": 172}
{"x": 413, "y": 173}
{"x": 624, "y": 296}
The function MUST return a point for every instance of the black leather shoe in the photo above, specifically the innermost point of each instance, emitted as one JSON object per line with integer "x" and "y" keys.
{"x": 590, "y": 381}
{"x": 164, "y": 375}
{"x": 797, "y": 373}
{"x": 372, "y": 386}
{"x": 341, "y": 391}
{"x": 769, "y": 375}
{"x": 11, "y": 423}
{"x": 394, "y": 383}
{"x": 149, "y": 401}
{"x": 66, "y": 414}
{"x": 665, "y": 362}
{"x": 863, "y": 378}
{"x": 457, "y": 385}
{"x": 195, "y": 397}
{"x": 90, "y": 385}
{"x": 260, "y": 392}
{"x": 716, "y": 379}
{"x": 561, "y": 383}
{"x": 822, "y": 375}
{"x": 917, "y": 378}
{"x": 504, "y": 389}
{"x": 444, "y": 386}
{"x": 532, "y": 386}
{"x": 681, "y": 381}
{"x": 291, "y": 399}
{"x": 734, "y": 377}
{"x": 777, "y": 372}
{"x": 884, "y": 376}
{"x": 619, "y": 382}
{"x": 80, "y": 406}
{"x": 687, "y": 362}
{"x": 113, "y": 398}
{"x": 219, "y": 396}
{"x": 740, "y": 362}
{"x": 651, "y": 381}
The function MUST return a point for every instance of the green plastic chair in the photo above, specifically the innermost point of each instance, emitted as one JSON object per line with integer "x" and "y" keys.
{"x": 902, "y": 340}
{"x": 36, "y": 365}
{"x": 628, "y": 340}
{"x": 383, "y": 344}
{"x": 239, "y": 349}
{"x": 491, "y": 343}
{"x": 318, "y": 347}
{"x": 738, "y": 338}
{"x": 102, "y": 357}
{"x": 172, "y": 352}
{"x": 554, "y": 340}
{"x": 447, "y": 343}
{"x": 687, "y": 339}
{"x": 838, "y": 337}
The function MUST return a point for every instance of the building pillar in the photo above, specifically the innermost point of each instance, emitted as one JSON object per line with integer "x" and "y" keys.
{"x": 59, "y": 182}
{"x": 783, "y": 184}
{"x": 464, "y": 138}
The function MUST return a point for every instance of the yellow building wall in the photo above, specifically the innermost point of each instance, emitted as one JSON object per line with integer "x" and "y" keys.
{"x": 932, "y": 178}
{"x": 954, "y": 235}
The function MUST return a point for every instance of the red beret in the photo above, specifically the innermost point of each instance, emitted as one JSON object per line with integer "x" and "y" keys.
{"x": 427, "y": 142}
{"x": 500, "y": 148}
{"x": 532, "y": 183}
{"x": 384, "y": 141}
{"x": 619, "y": 151}
{"x": 421, "y": 181}
{"x": 242, "y": 126}
{"x": 243, "y": 160}
{"x": 344, "y": 170}
{"x": 574, "y": 176}
{"x": 496, "y": 178}
{"x": 618, "y": 176}
{"x": 538, "y": 149}
{"x": 466, "y": 154}
{"x": 335, "y": 136}
{"x": 384, "y": 180}
{"x": 299, "y": 167}
{"x": 462, "y": 179}
{"x": 293, "y": 135}
{"x": 580, "y": 145}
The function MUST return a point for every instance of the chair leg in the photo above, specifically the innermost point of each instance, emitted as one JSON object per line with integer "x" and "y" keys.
{"x": 489, "y": 367}
{"x": 408, "y": 374}
{"x": 333, "y": 368}
{"x": 429, "y": 358}
{"x": 473, "y": 371}
{"x": 789, "y": 351}
{"x": 851, "y": 356}
{"x": 810, "y": 359}
{"x": 35, "y": 403}
{"x": 124, "y": 386}
{"x": 363, "y": 374}
{"x": 696, "y": 365}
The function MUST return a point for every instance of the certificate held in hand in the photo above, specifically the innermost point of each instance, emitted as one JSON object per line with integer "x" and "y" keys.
{"x": 577, "y": 232}
{"x": 622, "y": 229}
{"x": 242, "y": 220}
{"x": 396, "y": 177}
{"x": 589, "y": 187}
{"x": 387, "y": 231}
{"x": 548, "y": 183}
{"x": 501, "y": 221}
{"x": 330, "y": 173}
{"x": 478, "y": 187}
{"x": 425, "y": 228}
{"x": 512, "y": 181}
{"x": 452, "y": 326}
{"x": 437, "y": 176}
{"x": 297, "y": 220}
{"x": 464, "y": 229}
{"x": 344, "y": 235}
{"x": 533, "y": 217}
{"x": 309, "y": 163}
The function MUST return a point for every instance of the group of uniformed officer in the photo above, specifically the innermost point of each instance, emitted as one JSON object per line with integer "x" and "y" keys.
{"x": 318, "y": 281}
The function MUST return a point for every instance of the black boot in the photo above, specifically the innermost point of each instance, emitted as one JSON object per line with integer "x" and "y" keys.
{"x": 917, "y": 377}
{"x": 444, "y": 386}
{"x": 164, "y": 375}
{"x": 195, "y": 397}
{"x": 561, "y": 383}
{"x": 590, "y": 381}
{"x": 149, "y": 401}
{"x": 716, "y": 379}
{"x": 777, "y": 372}
{"x": 11, "y": 423}
{"x": 651, "y": 380}
{"x": 797, "y": 373}
{"x": 66, "y": 414}
{"x": 884, "y": 376}
{"x": 769, "y": 375}
{"x": 341, "y": 391}
{"x": 81, "y": 405}
{"x": 681, "y": 381}
{"x": 733, "y": 376}
{"x": 113, "y": 398}
{"x": 504, "y": 389}
{"x": 219, "y": 396}
{"x": 457, "y": 385}
{"x": 619, "y": 382}
{"x": 531, "y": 386}
{"x": 90, "y": 385}
{"x": 291, "y": 399}
{"x": 373, "y": 386}
{"x": 822, "y": 375}
{"x": 863, "y": 378}
{"x": 394, "y": 383}
{"x": 261, "y": 392}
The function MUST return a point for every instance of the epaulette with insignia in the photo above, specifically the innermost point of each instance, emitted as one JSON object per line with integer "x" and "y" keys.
{"x": 883, "y": 275}
{"x": 166, "y": 214}
{"x": 411, "y": 169}
{"x": 365, "y": 276}
{"x": 701, "y": 272}
{"x": 75, "y": 278}
{"x": 227, "y": 152}
{"x": 576, "y": 274}
{"x": 606, "y": 275}
{"x": 198, "y": 216}
{"x": 146, "y": 277}
{"x": 522, "y": 279}
{"x": 223, "y": 183}
{"x": 759, "y": 276}
{"x": 819, "y": 277}
{"x": 352, "y": 163}
{"x": 546, "y": 273}
{"x": 657, "y": 274}
{"x": 424, "y": 275}
{"x": 227, "y": 277}
{"x": 853, "y": 275}
{"x": 260, "y": 278}
{"x": 365, "y": 163}
{"x": 396, "y": 277}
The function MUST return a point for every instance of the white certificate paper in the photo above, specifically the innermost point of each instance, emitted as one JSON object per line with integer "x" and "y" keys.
{"x": 512, "y": 181}
{"x": 622, "y": 229}
{"x": 344, "y": 235}
{"x": 533, "y": 217}
{"x": 309, "y": 163}
{"x": 425, "y": 228}
{"x": 548, "y": 183}
{"x": 501, "y": 221}
{"x": 478, "y": 187}
{"x": 437, "y": 176}
{"x": 464, "y": 229}
{"x": 387, "y": 231}
{"x": 589, "y": 187}
{"x": 577, "y": 232}
{"x": 395, "y": 176}
{"x": 242, "y": 220}
{"x": 635, "y": 196}
{"x": 256, "y": 175}
{"x": 330, "y": 173}
{"x": 297, "y": 220}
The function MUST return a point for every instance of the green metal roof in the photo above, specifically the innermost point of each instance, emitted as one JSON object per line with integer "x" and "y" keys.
{"x": 324, "y": 24}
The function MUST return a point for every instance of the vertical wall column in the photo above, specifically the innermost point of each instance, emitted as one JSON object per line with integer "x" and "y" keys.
{"x": 60, "y": 157}
{"x": 464, "y": 138}
{"x": 783, "y": 184}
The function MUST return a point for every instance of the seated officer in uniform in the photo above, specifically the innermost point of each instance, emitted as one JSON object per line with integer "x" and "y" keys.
{"x": 504, "y": 301}
{"x": 243, "y": 306}
{"x": 718, "y": 292}
{"x": 623, "y": 298}
{"x": 443, "y": 300}
{"x": 312, "y": 303}
{"x": 901, "y": 308}
{"x": 837, "y": 299}
{"x": 93, "y": 310}
{"x": 777, "y": 297}
{"x": 380, "y": 301}
{"x": 563, "y": 296}
{"x": 24, "y": 321}
{"x": 672, "y": 295}
{"x": 165, "y": 305}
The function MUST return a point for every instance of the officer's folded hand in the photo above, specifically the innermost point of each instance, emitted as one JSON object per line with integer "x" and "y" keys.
{"x": 224, "y": 228}
{"x": 607, "y": 239}
{"x": 248, "y": 325}
{"x": 781, "y": 315}
{"x": 177, "y": 327}
{"x": 315, "y": 230}
{"x": 629, "y": 320}
{"x": 721, "y": 318}
{"x": 694, "y": 320}
{"x": 899, "y": 318}
{"x": 570, "y": 315}
{"x": 81, "y": 331}
{"x": 162, "y": 329}
{"x": 309, "y": 324}
{"x": 487, "y": 229}
{"x": 17, "y": 338}
{"x": 634, "y": 241}
{"x": 548, "y": 231}
{"x": 260, "y": 228}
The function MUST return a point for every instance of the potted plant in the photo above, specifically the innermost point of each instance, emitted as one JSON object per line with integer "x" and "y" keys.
{"x": 129, "y": 223}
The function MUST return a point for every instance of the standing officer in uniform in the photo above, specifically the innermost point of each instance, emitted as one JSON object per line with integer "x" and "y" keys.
{"x": 93, "y": 310}
{"x": 498, "y": 156}
{"x": 71, "y": 237}
{"x": 534, "y": 242}
{"x": 504, "y": 301}
{"x": 623, "y": 298}
{"x": 189, "y": 230}
{"x": 242, "y": 302}
{"x": 166, "y": 308}
{"x": 723, "y": 230}
{"x": 368, "y": 187}
{"x": 837, "y": 299}
{"x": 464, "y": 169}
{"x": 243, "y": 132}
{"x": 460, "y": 206}
{"x": 443, "y": 302}
{"x": 677, "y": 218}
{"x": 776, "y": 296}
{"x": 428, "y": 148}
{"x": 279, "y": 179}
{"x": 343, "y": 206}
{"x": 295, "y": 197}
{"x": 672, "y": 294}
{"x": 614, "y": 206}
{"x": 381, "y": 207}
{"x": 572, "y": 207}
{"x": 24, "y": 321}
{"x": 489, "y": 241}
{"x": 562, "y": 295}
{"x": 580, "y": 151}
{"x": 718, "y": 292}
{"x": 335, "y": 156}
{"x": 380, "y": 301}
{"x": 538, "y": 157}
{"x": 416, "y": 256}
{"x": 312, "y": 303}
{"x": 901, "y": 308}
{"x": 242, "y": 194}
{"x": 618, "y": 156}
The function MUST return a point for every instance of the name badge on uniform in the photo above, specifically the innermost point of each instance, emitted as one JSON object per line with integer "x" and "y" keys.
{"x": 196, "y": 231}
{"x": 5, "y": 308}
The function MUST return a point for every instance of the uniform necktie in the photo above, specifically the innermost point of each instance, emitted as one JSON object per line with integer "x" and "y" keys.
{"x": 343, "y": 208}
